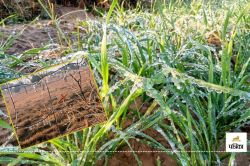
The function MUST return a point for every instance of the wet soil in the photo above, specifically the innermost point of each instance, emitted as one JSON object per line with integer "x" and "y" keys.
{"x": 43, "y": 32}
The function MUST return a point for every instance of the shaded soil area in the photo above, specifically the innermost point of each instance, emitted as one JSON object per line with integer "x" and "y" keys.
{"x": 32, "y": 36}
{"x": 148, "y": 156}
{"x": 42, "y": 33}
{"x": 29, "y": 9}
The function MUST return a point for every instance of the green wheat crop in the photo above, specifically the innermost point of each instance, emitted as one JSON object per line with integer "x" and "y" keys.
{"x": 195, "y": 91}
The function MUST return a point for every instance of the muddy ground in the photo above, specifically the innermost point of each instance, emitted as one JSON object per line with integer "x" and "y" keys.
{"x": 42, "y": 32}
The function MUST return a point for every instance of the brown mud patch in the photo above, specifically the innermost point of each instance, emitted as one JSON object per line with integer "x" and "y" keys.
{"x": 44, "y": 32}
{"x": 147, "y": 155}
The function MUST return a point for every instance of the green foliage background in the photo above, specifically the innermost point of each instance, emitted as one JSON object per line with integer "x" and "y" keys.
{"x": 196, "y": 91}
